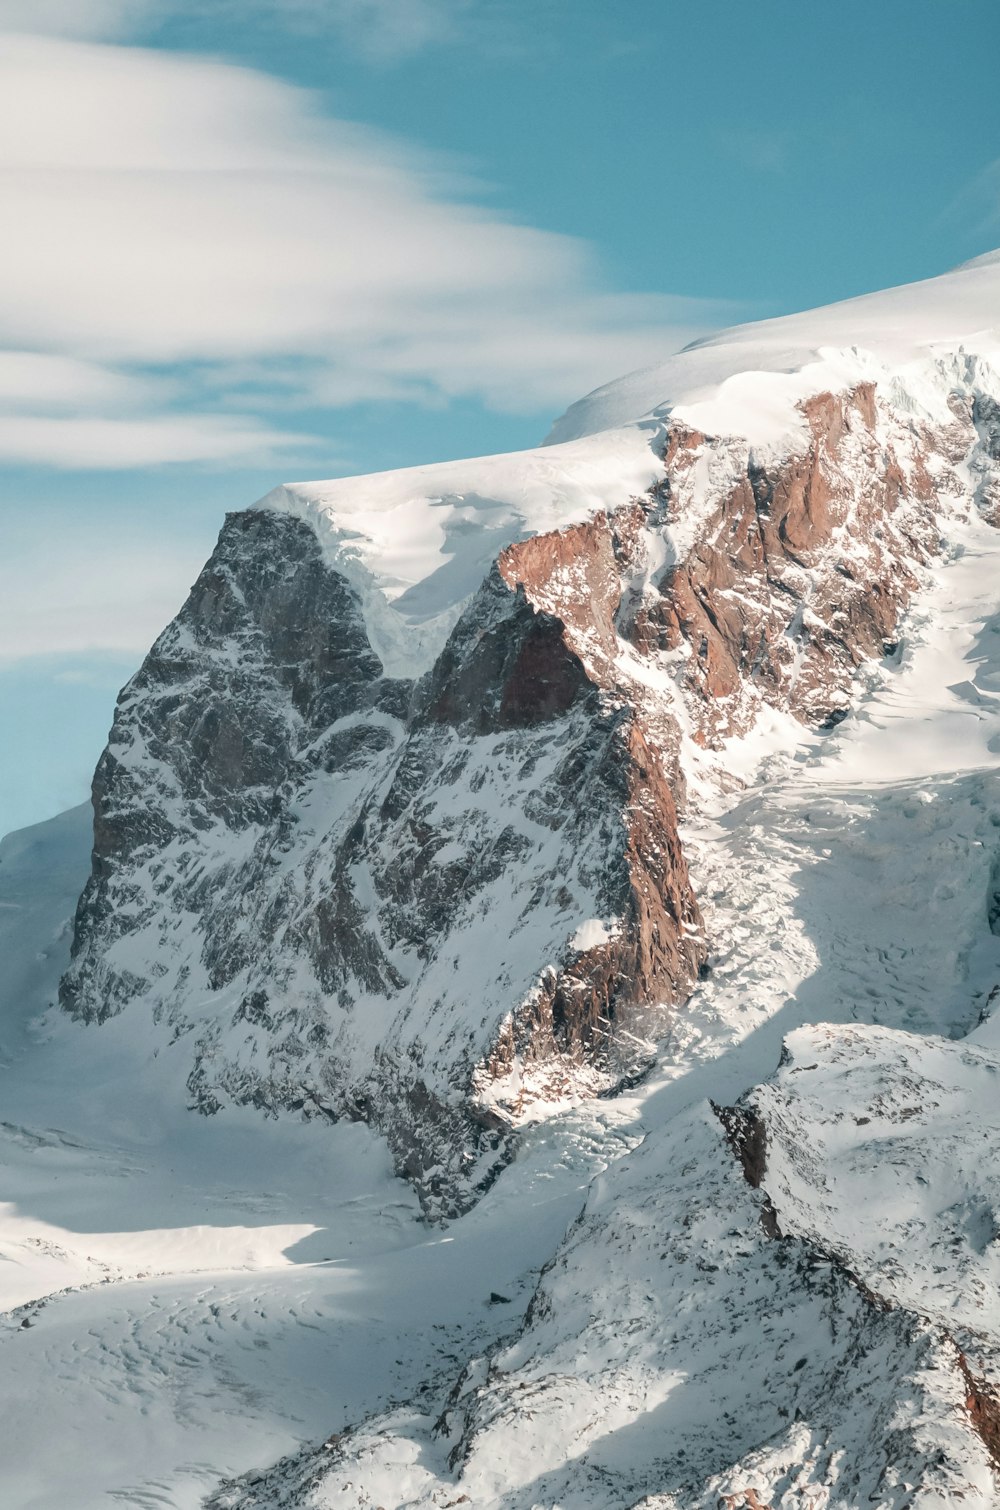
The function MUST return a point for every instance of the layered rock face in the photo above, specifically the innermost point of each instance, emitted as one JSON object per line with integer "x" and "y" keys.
{"x": 444, "y": 901}
{"x": 800, "y": 570}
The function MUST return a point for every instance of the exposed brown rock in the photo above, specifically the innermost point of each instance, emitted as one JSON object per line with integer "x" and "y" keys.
{"x": 650, "y": 962}
{"x": 982, "y": 1402}
{"x": 745, "y": 1497}
{"x": 573, "y": 575}
{"x": 573, "y": 579}
{"x": 800, "y": 571}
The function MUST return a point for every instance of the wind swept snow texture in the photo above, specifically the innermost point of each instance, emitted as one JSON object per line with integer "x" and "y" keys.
{"x": 674, "y": 1354}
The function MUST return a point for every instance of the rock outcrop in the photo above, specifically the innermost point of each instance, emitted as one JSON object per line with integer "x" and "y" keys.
{"x": 373, "y": 886}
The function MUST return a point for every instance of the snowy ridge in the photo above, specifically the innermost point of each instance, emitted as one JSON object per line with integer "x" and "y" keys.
{"x": 415, "y": 543}
{"x": 746, "y": 380}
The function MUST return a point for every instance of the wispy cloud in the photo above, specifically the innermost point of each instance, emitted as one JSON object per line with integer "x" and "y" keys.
{"x": 73, "y": 18}
{"x": 78, "y": 442}
{"x": 173, "y": 213}
{"x": 116, "y": 599}
{"x": 381, "y": 31}
{"x": 757, "y": 148}
{"x": 977, "y": 204}
{"x": 34, "y": 380}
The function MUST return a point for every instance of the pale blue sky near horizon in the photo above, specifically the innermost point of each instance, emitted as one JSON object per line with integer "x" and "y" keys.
{"x": 257, "y": 241}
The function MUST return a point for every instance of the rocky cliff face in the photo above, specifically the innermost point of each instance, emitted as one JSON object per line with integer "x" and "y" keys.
{"x": 443, "y": 901}
{"x": 380, "y": 891}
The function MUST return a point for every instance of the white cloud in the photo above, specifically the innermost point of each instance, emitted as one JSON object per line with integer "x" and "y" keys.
{"x": 65, "y": 412}
{"x": 35, "y": 380}
{"x": 116, "y": 599}
{"x": 89, "y": 441}
{"x": 72, "y": 18}
{"x": 162, "y": 208}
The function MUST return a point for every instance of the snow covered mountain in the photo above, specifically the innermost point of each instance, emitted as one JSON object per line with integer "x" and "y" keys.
{"x": 387, "y": 826}
{"x": 610, "y": 832}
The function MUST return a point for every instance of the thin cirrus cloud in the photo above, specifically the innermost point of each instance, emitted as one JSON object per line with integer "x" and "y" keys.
{"x": 85, "y": 441}
{"x": 380, "y": 30}
{"x": 978, "y": 201}
{"x": 173, "y": 220}
{"x": 116, "y": 605}
{"x": 35, "y": 380}
{"x": 74, "y": 18}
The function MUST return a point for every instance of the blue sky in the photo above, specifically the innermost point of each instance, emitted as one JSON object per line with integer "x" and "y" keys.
{"x": 290, "y": 238}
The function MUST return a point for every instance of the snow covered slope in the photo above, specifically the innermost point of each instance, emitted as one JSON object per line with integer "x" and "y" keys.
{"x": 182, "y": 1298}
{"x": 749, "y": 379}
{"x": 675, "y": 1354}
